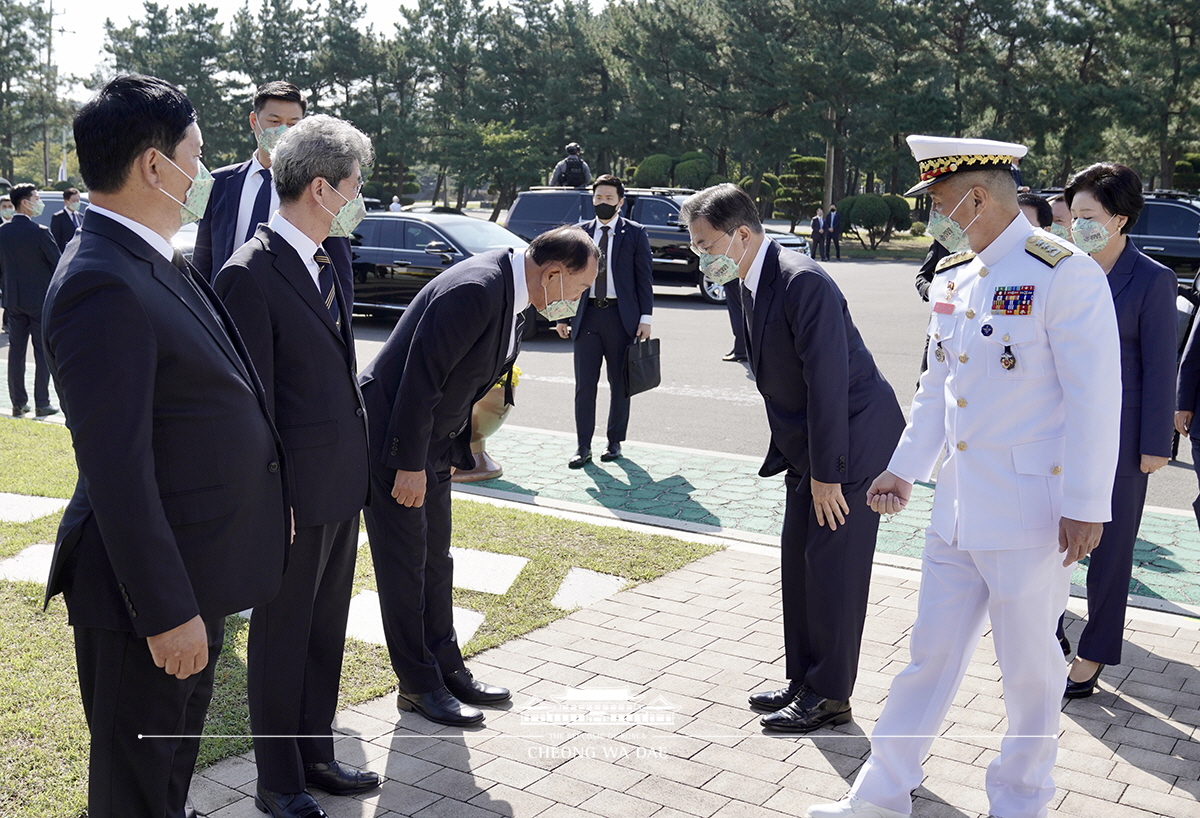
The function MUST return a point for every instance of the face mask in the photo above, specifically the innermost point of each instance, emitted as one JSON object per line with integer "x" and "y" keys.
{"x": 605, "y": 211}
{"x": 1091, "y": 236}
{"x": 1060, "y": 231}
{"x": 347, "y": 217}
{"x": 191, "y": 209}
{"x": 562, "y": 309}
{"x": 721, "y": 269}
{"x": 38, "y": 208}
{"x": 7, "y": 213}
{"x": 949, "y": 233}
{"x": 73, "y": 207}
{"x": 268, "y": 138}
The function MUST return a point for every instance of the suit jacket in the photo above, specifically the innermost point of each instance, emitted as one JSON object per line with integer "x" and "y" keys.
{"x": 308, "y": 372}
{"x": 1033, "y": 443}
{"x": 28, "y": 256}
{"x": 817, "y": 227}
{"x": 829, "y": 407}
{"x": 62, "y": 227}
{"x": 215, "y": 234}
{"x": 447, "y": 350}
{"x": 180, "y": 507}
{"x": 833, "y": 223}
{"x": 632, "y": 274}
{"x": 1144, "y": 293}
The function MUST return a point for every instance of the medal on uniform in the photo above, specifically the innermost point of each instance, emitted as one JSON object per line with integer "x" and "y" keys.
{"x": 986, "y": 330}
{"x": 939, "y": 353}
{"x": 1007, "y": 359}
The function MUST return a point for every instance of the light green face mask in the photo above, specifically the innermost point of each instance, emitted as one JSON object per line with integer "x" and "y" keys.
{"x": 7, "y": 213}
{"x": 38, "y": 208}
{"x": 191, "y": 209}
{"x": 268, "y": 138}
{"x": 347, "y": 217}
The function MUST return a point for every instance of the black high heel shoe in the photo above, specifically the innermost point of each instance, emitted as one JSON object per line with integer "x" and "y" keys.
{"x": 1081, "y": 690}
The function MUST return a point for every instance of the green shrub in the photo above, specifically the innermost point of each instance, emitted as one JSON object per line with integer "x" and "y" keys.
{"x": 692, "y": 172}
{"x": 917, "y": 229}
{"x": 690, "y": 155}
{"x": 715, "y": 179}
{"x": 654, "y": 171}
{"x": 901, "y": 212}
{"x": 871, "y": 212}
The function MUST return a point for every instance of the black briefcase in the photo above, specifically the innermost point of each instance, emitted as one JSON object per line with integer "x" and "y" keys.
{"x": 642, "y": 370}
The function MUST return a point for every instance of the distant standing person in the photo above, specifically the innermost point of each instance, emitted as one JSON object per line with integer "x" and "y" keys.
{"x": 395, "y": 206}
{"x": 28, "y": 256}
{"x": 818, "y": 235}
{"x": 1107, "y": 200}
{"x": 65, "y": 222}
{"x": 1061, "y": 225}
{"x": 572, "y": 171}
{"x": 612, "y": 314}
{"x": 833, "y": 233}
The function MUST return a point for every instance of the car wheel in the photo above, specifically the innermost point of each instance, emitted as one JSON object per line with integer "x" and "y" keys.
{"x": 710, "y": 292}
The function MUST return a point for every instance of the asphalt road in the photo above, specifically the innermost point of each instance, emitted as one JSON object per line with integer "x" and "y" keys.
{"x": 706, "y": 403}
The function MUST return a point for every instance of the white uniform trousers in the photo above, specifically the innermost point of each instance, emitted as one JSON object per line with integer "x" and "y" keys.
{"x": 1022, "y": 591}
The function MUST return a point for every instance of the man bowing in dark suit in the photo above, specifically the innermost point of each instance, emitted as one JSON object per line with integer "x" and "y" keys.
{"x": 834, "y": 420}
{"x": 611, "y": 315}
{"x": 243, "y": 196}
{"x": 65, "y": 222}
{"x": 453, "y": 343}
{"x": 28, "y": 256}
{"x": 179, "y": 517}
{"x": 295, "y": 319}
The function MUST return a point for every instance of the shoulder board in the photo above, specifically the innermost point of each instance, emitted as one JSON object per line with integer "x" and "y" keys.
{"x": 1047, "y": 250}
{"x": 954, "y": 260}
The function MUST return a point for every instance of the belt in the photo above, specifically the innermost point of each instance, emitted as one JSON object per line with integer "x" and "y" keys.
{"x": 601, "y": 303}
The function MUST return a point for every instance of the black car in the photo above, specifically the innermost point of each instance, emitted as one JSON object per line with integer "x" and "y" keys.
{"x": 541, "y": 208}
{"x": 1169, "y": 231}
{"x": 395, "y": 254}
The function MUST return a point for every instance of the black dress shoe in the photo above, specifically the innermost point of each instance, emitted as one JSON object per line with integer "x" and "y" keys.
{"x": 46, "y": 411}
{"x": 776, "y": 699}
{"x": 441, "y": 707}
{"x": 1065, "y": 644}
{"x": 338, "y": 779}
{"x": 581, "y": 459}
{"x": 613, "y": 452}
{"x": 807, "y": 713}
{"x": 465, "y": 688}
{"x": 734, "y": 357}
{"x": 1081, "y": 690}
{"x": 288, "y": 804}
{"x": 20, "y": 411}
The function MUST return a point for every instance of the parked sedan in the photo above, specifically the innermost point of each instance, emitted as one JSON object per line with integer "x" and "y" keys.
{"x": 396, "y": 254}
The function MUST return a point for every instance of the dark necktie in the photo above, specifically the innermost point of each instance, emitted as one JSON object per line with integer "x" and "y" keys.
{"x": 602, "y": 276}
{"x": 325, "y": 285}
{"x": 747, "y": 311}
{"x": 261, "y": 211}
{"x": 518, "y": 331}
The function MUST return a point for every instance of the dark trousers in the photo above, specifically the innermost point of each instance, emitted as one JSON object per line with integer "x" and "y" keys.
{"x": 414, "y": 574}
{"x": 601, "y": 337}
{"x": 825, "y": 579}
{"x": 1110, "y": 566}
{"x": 818, "y": 246}
{"x": 733, "y": 303}
{"x": 126, "y": 696}
{"x": 294, "y": 655}
{"x": 835, "y": 240}
{"x": 25, "y": 326}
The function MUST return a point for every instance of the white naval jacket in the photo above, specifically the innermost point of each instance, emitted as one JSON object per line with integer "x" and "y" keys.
{"x": 1029, "y": 444}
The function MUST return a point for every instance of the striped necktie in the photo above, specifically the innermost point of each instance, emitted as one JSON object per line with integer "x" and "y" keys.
{"x": 261, "y": 211}
{"x": 325, "y": 285}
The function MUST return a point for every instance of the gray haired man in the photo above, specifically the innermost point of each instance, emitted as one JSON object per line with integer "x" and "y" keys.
{"x": 294, "y": 317}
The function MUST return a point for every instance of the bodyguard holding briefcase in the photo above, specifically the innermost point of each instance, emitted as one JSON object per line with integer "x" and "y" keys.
{"x": 612, "y": 315}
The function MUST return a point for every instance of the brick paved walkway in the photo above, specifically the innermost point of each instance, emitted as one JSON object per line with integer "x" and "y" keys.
{"x": 635, "y": 707}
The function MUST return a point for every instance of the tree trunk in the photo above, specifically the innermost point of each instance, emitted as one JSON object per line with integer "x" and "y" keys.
{"x": 437, "y": 186}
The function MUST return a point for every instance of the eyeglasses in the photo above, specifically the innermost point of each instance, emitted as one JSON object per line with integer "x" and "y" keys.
{"x": 700, "y": 250}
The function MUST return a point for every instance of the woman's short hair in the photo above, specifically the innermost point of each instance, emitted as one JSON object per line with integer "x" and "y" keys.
{"x": 1116, "y": 187}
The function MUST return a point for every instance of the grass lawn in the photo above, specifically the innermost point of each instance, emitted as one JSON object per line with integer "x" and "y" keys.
{"x": 43, "y": 738}
{"x": 901, "y": 247}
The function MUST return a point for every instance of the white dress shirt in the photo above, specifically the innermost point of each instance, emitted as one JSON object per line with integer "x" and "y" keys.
{"x": 250, "y": 186}
{"x": 607, "y": 272}
{"x": 152, "y": 238}
{"x": 301, "y": 243}
{"x": 520, "y": 295}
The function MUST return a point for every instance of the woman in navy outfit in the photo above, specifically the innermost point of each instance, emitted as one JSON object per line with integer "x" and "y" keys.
{"x": 1105, "y": 200}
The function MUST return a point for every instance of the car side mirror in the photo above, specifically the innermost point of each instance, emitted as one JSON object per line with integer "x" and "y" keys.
{"x": 440, "y": 248}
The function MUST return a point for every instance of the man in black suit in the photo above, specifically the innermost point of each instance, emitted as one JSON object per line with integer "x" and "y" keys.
{"x": 180, "y": 516}
{"x": 243, "y": 196}
{"x": 818, "y": 235}
{"x": 833, "y": 232}
{"x": 28, "y": 256}
{"x": 453, "y": 343}
{"x": 834, "y": 420}
{"x": 295, "y": 320}
{"x": 614, "y": 313}
{"x": 65, "y": 222}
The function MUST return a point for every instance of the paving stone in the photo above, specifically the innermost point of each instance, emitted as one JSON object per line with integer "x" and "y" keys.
{"x": 582, "y": 587}
{"x": 680, "y": 797}
{"x": 505, "y": 800}
{"x": 614, "y": 804}
{"x": 477, "y": 570}
{"x": 32, "y": 564}
{"x": 365, "y": 622}
{"x": 22, "y": 508}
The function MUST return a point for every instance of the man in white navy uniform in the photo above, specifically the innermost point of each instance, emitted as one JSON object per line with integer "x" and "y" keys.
{"x": 1023, "y": 392}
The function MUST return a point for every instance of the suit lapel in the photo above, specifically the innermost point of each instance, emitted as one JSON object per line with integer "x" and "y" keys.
{"x": 1122, "y": 271}
{"x": 231, "y": 201}
{"x": 289, "y": 265}
{"x": 763, "y": 296}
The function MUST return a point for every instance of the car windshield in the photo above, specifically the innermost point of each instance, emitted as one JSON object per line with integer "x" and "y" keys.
{"x": 479, "y": 236}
